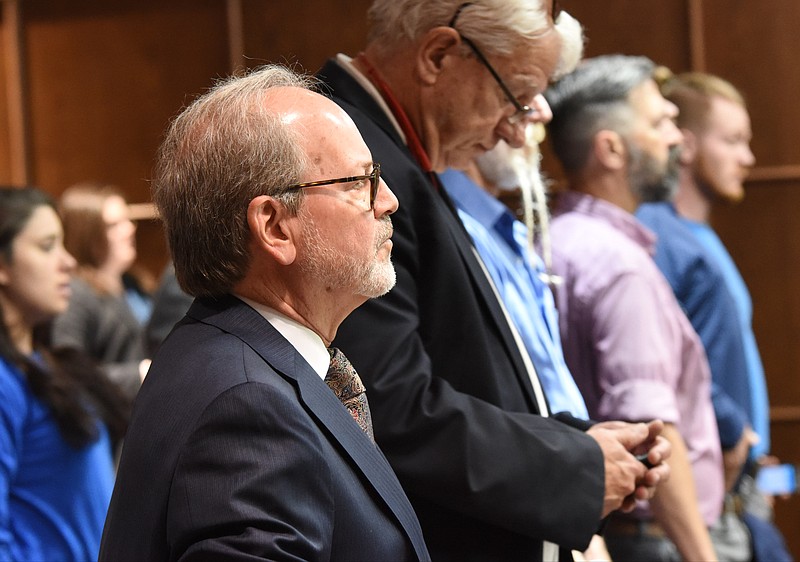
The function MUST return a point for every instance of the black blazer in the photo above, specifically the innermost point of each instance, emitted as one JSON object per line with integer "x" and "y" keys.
{"x": 238, "y": 450}
{"x": 453, "y": 407}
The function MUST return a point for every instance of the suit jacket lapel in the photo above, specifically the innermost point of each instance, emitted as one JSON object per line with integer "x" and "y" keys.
{"x": 352, "y": 97}
{"x": 348, "y": 93}
{"x": 466, "y": 250}
{"x": 235, "y": 317}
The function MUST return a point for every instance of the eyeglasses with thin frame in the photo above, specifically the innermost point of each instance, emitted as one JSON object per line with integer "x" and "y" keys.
{"x": 374, "y": 178}
{"x": 521, "y": 111}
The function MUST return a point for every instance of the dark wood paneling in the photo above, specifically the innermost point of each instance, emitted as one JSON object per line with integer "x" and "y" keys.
{"x": 658, "y": 30}
{"x": 5, "y": 141}
{"x": 304, "y": 33}
{"x": 105, "y": 78}
{"x": 755, "y": 45}
{"x": 15, "y": 163}
{"x": 760, "y": 233}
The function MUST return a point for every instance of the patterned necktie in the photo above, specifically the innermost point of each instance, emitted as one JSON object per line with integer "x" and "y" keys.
{"x": 347, "y": 386}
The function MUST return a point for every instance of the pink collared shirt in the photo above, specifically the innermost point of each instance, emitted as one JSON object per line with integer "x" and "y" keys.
{"x": 630, "y": 347}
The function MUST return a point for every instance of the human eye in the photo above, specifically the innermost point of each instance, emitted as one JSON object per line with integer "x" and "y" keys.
{"x": 48, "y": 244}
{"x": 664, "y": 123}
{"x": 355, "y": 185}
{"x": 363, "y": 181}
{"x": 732, "y": 139}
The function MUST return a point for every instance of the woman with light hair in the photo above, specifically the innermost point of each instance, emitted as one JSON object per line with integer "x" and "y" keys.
{"x": 100, "y": 320}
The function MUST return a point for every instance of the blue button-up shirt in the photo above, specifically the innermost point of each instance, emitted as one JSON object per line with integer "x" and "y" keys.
{"x": 501, "y": 241}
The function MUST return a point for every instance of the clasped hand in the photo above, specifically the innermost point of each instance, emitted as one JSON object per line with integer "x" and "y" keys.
{"x": 626, "y": 478}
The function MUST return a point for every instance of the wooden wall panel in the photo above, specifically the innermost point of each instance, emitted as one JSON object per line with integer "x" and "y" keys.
{"x": 305, "y": 33}
{"x": 104, "y": 81}
{"x": 760, "y": 234}
{"x": 755, "y": 45}
{"x": 787, "y": 510}
{"x": 15, "y": 91}
{"x": 658, "y": 30}
{"x": 5, "y": 141}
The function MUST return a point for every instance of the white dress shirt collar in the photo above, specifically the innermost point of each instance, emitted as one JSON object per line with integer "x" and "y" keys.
{"x": 305, "y": 341}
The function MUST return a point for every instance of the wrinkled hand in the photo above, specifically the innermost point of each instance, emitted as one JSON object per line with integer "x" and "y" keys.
{"x": 733, "y": 459}
{"x": 626, "y": 478}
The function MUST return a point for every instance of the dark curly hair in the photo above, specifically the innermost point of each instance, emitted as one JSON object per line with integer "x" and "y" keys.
{"x": 66, "y": 380}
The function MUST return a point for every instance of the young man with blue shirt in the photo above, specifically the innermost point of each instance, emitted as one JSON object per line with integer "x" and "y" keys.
{"x": 715, "y": 160}
{"x": 518, "y": 273}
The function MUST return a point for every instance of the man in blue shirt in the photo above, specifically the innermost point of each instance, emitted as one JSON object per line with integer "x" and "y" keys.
{"x": 715, "y": 161}
{"x": 518, "y": 275}
{"x": 699, "y": 286}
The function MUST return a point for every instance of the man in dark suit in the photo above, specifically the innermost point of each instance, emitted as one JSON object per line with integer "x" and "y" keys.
{"x": 459, "y": 409}
{"x": 238, "y": 449}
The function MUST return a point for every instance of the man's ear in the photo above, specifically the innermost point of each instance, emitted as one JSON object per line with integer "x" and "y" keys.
{"x": 271, "y": 230}
{"x": 689, "y": 147}
{"x": 432, "y": 52}
{"x": 610, "y": 150}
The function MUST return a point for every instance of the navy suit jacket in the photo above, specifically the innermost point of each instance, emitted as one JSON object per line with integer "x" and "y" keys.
{"x": 453, "y": 406}
{"x": 238, "y": 450}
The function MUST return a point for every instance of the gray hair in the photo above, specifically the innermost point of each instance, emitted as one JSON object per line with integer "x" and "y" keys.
{"x": 219, "y": 153}
{"x": 572, "y": 42}
{"x": 595, "y": 96}
{"x": 495, "y": 25}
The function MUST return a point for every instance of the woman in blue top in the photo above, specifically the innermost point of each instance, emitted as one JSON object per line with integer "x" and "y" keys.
{"x": 59, "y": 417}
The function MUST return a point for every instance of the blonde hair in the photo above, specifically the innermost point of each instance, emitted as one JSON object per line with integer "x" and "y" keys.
{"x": 692, "y": 93}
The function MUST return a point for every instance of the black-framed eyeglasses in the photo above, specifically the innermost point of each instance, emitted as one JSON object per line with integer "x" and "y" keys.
{"x": 520, "y": 111}
{"x": 374, "y": 178}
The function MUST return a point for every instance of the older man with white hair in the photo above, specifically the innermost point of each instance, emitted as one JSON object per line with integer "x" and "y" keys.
{"x": 459, "y": 407}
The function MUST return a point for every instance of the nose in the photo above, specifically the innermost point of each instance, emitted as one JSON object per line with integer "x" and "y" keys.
{"x": 676, "y": 136}
{"x": 541, "y": 111}
{"x": 130, "y": 226}
{"x": 512, "y": 133}
{"x": 386, "y": 202}
{"x": 749, "y": 157}
{"x": 672, "y": 133}
{"x": 68, "y": 263}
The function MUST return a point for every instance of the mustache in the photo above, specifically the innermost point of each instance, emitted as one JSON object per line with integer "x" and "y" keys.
{"x": 385, "y": 230}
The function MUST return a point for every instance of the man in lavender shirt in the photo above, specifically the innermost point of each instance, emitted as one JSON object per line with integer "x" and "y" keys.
{"x": 629, "y": 346}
